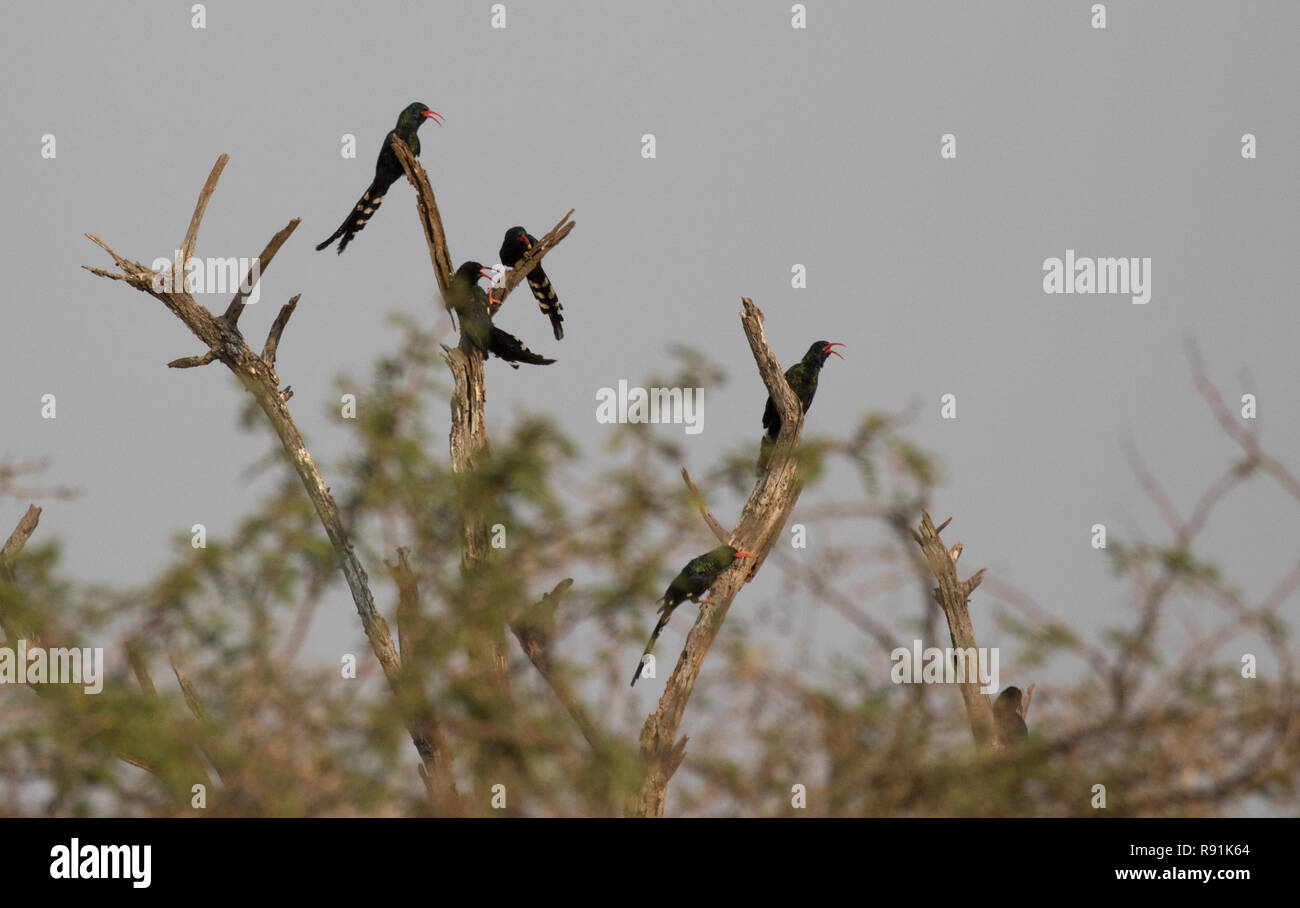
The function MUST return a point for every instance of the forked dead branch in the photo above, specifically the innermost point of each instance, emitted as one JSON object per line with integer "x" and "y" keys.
{"x": 764, "y": 516}
{"x": 469, "y": 445}
{"x": 225, "y": 342}
{"x": 953, "y": 596}
{"x": 257, "y": 372}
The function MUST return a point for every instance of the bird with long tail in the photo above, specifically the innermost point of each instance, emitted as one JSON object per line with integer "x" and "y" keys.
{"x": 514, "y": 247}
{"x": 802, "y": 378}
{"x": 387, "y": 169}
{"x": 470, "y": 303}
{"x": 696, "y": 579}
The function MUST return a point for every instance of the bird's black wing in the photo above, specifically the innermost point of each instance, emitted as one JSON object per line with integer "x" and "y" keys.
{"x": 510, "y": 348}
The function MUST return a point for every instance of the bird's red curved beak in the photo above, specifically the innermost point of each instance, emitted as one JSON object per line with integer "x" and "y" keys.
{"x": 434, "y": 116}
{"x": 741, "y": 553}
{"x": 487, "y": 273}
{"x": 528, "y": 241}
{"x": 827, "y": 348}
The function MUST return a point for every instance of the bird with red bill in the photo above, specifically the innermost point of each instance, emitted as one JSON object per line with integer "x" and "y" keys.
{"x": 802, "y": 378}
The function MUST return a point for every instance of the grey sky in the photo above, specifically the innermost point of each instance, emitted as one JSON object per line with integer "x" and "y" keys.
{"x": 775, "y": 146}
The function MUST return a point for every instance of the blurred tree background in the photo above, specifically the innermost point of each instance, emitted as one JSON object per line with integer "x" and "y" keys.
{"x": 208, "y": 683}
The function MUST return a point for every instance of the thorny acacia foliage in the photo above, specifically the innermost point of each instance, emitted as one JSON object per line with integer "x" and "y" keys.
{"x": 1162, "y": 718}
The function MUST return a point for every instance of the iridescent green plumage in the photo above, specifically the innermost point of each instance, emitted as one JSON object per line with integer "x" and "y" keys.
{"x": 387, "y": 171}
{"x": 802, "y": 378}
{"x": 470, "y": 303}
{"x": 694, "y": 581}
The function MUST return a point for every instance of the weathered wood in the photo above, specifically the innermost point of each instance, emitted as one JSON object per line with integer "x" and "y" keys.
{"x": 761, "y": 522}
{"x": 236, "y": 307}
{"x": 430, "y": 219}
{"x": 18, "y": 538}
{"x": 258, "y": 376}
{"x": 532, "y": 258}
{"x": 952, "y": 595}
{"x": 468, "y": 437}
{"x": 697, "y": 497}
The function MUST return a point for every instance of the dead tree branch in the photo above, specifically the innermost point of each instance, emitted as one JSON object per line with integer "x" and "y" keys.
{"x": 532, "y": 258}
{"x": 698, "y": 497}
{"x": 1256, "y": 458}
{"x": 17, "y": 539}
{"x": 436, "y": 237}
{"x": 468, "y": 437}
{"x": 535, "y": 631}
{"x": 257, "y": 373}
{"x": 10, "y": 473}
{"x": 430, "y": 219}
{"x": 952, "y": 596}
{"x": 761, "y": 521}
{"x": 15, "y": 627}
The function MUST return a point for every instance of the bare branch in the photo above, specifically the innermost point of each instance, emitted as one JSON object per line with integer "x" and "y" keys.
{"x": 8, "y": 554}
{"x": 190, "y": 362}
{"x": 18, "y": 538}
{"x": 192, "y": 234}
{"x": 430, "y": 219}
{"x": 1014, "y": 596}
{"x": 255, "y": 272}
{"x": 532, "y": 258}
{"x": 121, "y": 262}
{"x": 828, "y": 594}
{"x": 952, "y": 596}
{"x": 192, "y": 699}
{"x": 764, "y": 516}
{"x": 1152, "y": 486}
{"x": 1156, "y": 594}
{"x": 1233, "y": 426}
{"x": 408, "y": 685}
{"x": 225, "y": 342}
{"x": 12, "y": 487}
{"x": 277, "y": 328}
{"x": 698, "y": 497}
{"x": 468, "y": 439}
{"x": 535, "y": 631}
{"x": 408, "y": 602}
{"x": 140, "y": 670}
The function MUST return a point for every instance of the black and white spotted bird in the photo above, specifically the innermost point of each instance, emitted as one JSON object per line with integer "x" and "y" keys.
{"x": 696, "y": 579}
{"x": 470, "y": 303}
{"x": 387, "y": 171}
{"x": 513, "y": 248}
{"x": 802, "y": 378}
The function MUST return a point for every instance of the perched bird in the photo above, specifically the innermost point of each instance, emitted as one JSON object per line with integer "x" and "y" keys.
{"x": 694, "y": 581}
{"x": 470, "y": 303}
{"x": 387, "y": 170}
{"x": 802, "y": 378}
{"x": 513, "y": 248}
{"x": 1006, "y": 710}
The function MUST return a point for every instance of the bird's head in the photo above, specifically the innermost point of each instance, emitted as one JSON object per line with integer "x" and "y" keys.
{"x": 470, "y": 272}
{"x": 1009, "y": 699}
{"x": 515, "y": 245}
{"x": 416, "y": 113}
{"x": 821, "y": 351}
